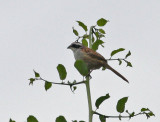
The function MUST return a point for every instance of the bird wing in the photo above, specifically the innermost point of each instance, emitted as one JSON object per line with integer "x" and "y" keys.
{"x": 93, "y": 54}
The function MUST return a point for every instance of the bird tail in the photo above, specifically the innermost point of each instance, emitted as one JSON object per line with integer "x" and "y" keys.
{"x": 117, "y": 73}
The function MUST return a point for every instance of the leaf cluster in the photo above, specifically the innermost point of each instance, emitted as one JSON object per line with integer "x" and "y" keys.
{"x": 96, "y": 35}
{"x": 79, "y": 65}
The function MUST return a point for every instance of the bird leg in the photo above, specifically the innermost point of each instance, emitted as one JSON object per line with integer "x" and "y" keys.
{"x": 88, "y": 75}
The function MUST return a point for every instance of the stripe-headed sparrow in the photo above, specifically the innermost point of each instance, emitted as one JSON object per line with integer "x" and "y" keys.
{"x": 92, "y": 59}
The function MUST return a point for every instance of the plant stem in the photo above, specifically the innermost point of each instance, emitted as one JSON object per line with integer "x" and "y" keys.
{"x": 87, "y": 81}
{"x": 90, "y": 36}
{"x": 89, "y": 99}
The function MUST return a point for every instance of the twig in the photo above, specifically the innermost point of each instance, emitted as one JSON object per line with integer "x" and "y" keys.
{"x": 69, "y": 84}
{"x": 105, "y": 116}
{"x": 110, "y": 59}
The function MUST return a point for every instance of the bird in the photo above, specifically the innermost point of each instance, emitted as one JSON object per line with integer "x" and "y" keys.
{"x": 92, "y": 59}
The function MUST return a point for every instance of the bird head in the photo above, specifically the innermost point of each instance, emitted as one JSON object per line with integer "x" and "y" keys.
{"x": 74, "y": 46}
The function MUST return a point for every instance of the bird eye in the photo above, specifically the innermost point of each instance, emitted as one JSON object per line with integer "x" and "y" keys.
{"x": 76, "y": 46}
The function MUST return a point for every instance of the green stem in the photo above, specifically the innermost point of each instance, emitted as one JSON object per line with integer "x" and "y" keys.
{"x": 89, "y": 99}
{"x": 90, "y": 36}
{"x": 87, "y": 81}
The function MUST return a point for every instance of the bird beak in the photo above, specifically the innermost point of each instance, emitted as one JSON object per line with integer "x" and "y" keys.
{"x": 69, "y": 47}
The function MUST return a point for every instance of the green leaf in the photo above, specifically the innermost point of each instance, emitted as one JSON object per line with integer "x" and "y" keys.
{"x": 74, "y": 88}
{"x": 47, "y": 85}
{"x": 101, "y": 22}
{"x": 11, "y": 120}
{"x": 117, "y": 51}
{"x": 128, "y": 54}
{"x": 75, "y": 32}
{"x": 129, "y": 64}
{"x": 74, "y": 120}
{"x": 97, "y": 35}
{"x": 31, "y": 81}
{"x": 85, "y": 36}
{"x": 81, "y": 121}
{"x": 82, "y": 25}
{"x": 144, "y": 109}
{"x": 102, "y": 31}
{"x": 101, "y": 99}
{"x": 84, "y": 42}
{"x": 151, "y": 114}
{"x": 36, "y": 74}
{"x": 81, "y": 67}
{"x": 121, "y": 104}
{"x": 96, "y": 44}
{"x": 61, "y": 119}
{"x": 102, "y": 118}
{"x": 62, "y": 71}
{"x": 31, "y": 119}
{"x": 101, "y": 35}
{"x": 132, "y": 114}
{"x": 120, "y": 61}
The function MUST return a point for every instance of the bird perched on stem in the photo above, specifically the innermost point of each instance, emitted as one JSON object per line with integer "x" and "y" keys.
{"x": 92, "y": 59}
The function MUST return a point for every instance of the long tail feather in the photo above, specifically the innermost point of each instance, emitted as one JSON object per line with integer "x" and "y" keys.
{"x": 117, "y": 73}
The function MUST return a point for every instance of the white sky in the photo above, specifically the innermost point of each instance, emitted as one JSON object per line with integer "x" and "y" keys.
{"x": 34, "y": 34}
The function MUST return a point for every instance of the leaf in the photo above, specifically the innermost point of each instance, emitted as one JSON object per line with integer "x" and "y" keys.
{"x": 75, "y": 32}
{"x": 102, "y": 31}
{"x": 97, "y": 34}
{"x": 74, "y": 88}
{"x": 85, "y": 36}
{"x": 96, "y": 44}
{"x": 31, "y": 81}
{"x": 102, "y": 118}
{"x": 132, "y": 114}
{"x": 47, "y": 85}
{"x": 128, "y": 54}
{"x": 81, "y": 121}
{"x": 82, "y": 25}
{"x": 129, "y": 64}
{"x": 121, "y": 104}
{"x": 144, "y": 109}
{"x": 117, "y": 51}
{"x": 61, "y": 119}
{"x": 31, "y": 119}
{"x": 151, "y": 114}
{"x": 62, "y": 71}
{"x": 36, "y": 74}
{"x": 11, "y": 120}
{"x": 84, "y": 42}
{"x": 101, "y": 99}
{"x": 101, "y": 22}
{"x": 81, "y": 67}
{"x": 101, "y": 35}
{"x": 120, "y": 61}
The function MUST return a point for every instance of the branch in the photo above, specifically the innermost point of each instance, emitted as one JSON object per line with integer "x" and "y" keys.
{"x": 110, "y": 59}
{"x": 69, "y": 84}
{"x": 105, "y": 116}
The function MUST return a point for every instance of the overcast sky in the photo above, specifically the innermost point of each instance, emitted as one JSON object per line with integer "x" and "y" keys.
{"x": 34, "y": 34}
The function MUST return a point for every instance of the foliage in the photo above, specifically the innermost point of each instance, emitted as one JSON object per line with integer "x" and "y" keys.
{"x": 92, "y": 38}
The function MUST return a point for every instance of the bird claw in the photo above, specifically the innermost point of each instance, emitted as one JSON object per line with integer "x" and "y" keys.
{"x": 89, "y": 76}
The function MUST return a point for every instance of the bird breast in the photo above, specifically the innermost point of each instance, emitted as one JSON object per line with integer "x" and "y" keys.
{"x": 78, "y": 55}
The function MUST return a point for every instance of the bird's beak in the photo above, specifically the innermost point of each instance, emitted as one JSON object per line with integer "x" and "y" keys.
{"x": 69, "y": 47}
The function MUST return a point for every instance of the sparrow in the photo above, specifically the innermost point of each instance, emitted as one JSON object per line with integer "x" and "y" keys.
{"x": 93, "y": 59}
